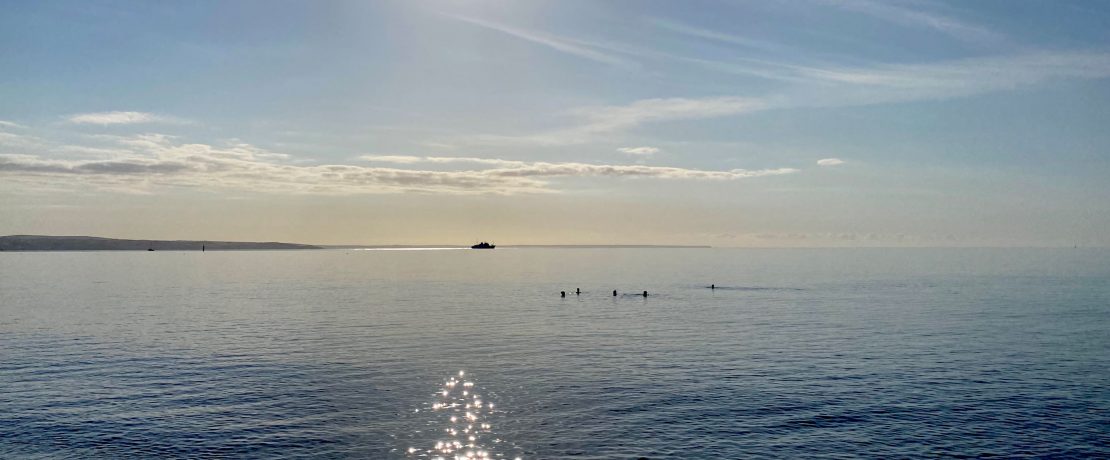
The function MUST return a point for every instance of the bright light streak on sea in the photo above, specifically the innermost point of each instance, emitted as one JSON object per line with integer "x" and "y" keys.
{"x": 874, "y": 353}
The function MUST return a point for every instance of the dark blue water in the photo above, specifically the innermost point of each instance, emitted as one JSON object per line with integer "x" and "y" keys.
{"x": 341, "y": 354}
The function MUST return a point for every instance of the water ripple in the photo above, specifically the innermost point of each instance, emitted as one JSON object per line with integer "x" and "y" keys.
{"x": 342, "y": 354}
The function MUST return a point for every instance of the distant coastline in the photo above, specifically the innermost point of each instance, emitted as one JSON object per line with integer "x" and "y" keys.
{"x": 608, "y": 246}
{"x": 553, "y": 246}
{"x": 92, "y": 243}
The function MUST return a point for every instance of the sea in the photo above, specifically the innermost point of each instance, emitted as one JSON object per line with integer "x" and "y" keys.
{"x": 425, "y": 354}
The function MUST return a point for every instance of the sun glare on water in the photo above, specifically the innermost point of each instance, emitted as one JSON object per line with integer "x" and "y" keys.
{"x": 466, "y": 431}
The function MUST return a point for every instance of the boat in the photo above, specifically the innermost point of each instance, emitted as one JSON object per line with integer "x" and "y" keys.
{"x": 483, "y": 245}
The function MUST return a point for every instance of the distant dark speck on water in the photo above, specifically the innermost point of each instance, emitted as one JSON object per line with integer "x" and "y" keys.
{"x": 249, "y": 355}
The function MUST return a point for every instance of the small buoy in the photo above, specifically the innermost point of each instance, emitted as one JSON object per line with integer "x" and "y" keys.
{"x": 614, "y": 292}
{"x": 645, "y": 293}
{"x": 562, "y": 293}
{"x": 712, "y": 286}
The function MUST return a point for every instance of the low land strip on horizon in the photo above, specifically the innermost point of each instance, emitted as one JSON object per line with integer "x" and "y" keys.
{"x": 92, "y": 243}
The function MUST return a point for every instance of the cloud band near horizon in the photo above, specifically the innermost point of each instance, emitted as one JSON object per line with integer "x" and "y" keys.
{"x": 152, "y": 161}
{"x": 119, "y": 118}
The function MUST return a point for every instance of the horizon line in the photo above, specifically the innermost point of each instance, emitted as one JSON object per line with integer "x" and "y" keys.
{"x": 570, "y": 245}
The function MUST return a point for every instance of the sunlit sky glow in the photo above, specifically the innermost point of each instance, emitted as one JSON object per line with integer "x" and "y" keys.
{"x": 726, "y": 123}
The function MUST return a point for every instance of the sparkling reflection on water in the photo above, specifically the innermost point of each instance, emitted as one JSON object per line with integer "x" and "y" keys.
{"x": 339, "y": 354}
{"x": 465, "y": 418}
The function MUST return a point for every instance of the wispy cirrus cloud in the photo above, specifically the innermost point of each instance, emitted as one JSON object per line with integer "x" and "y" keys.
{"x": 829, "y": 86}
{"x": 945, "y": 79}
{"x": 120, "y": 118}
{"x": 916, "y": 17}
{"x": 11, "y": 124}
{"x": 641, "y": 151}
{"x": 713, "y": 35}
{"x": 617, "y": 117}
{"x": 408, "y": 159}
{"x": 144, "y": 163}
{"x": 595, "y": 122}
{"x": 20, "y": 140}
{"x": 542, "y": 169}
{"x": 830, "y": 162}
{"x": 805, "y": 84}
{"x": 550, "y": 41}
{"x": 397, "y": 159}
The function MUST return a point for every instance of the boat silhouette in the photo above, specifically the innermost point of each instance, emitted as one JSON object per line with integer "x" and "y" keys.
{"x": 483, "y": 245}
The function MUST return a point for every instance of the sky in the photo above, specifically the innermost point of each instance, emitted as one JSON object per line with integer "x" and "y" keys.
{"x": 803, "y": 123}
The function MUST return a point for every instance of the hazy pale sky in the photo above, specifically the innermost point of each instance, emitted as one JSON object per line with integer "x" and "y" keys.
{"x": 728, "y": 123}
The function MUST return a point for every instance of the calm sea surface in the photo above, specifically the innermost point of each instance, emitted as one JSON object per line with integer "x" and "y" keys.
{"x": 349, "y": 354}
